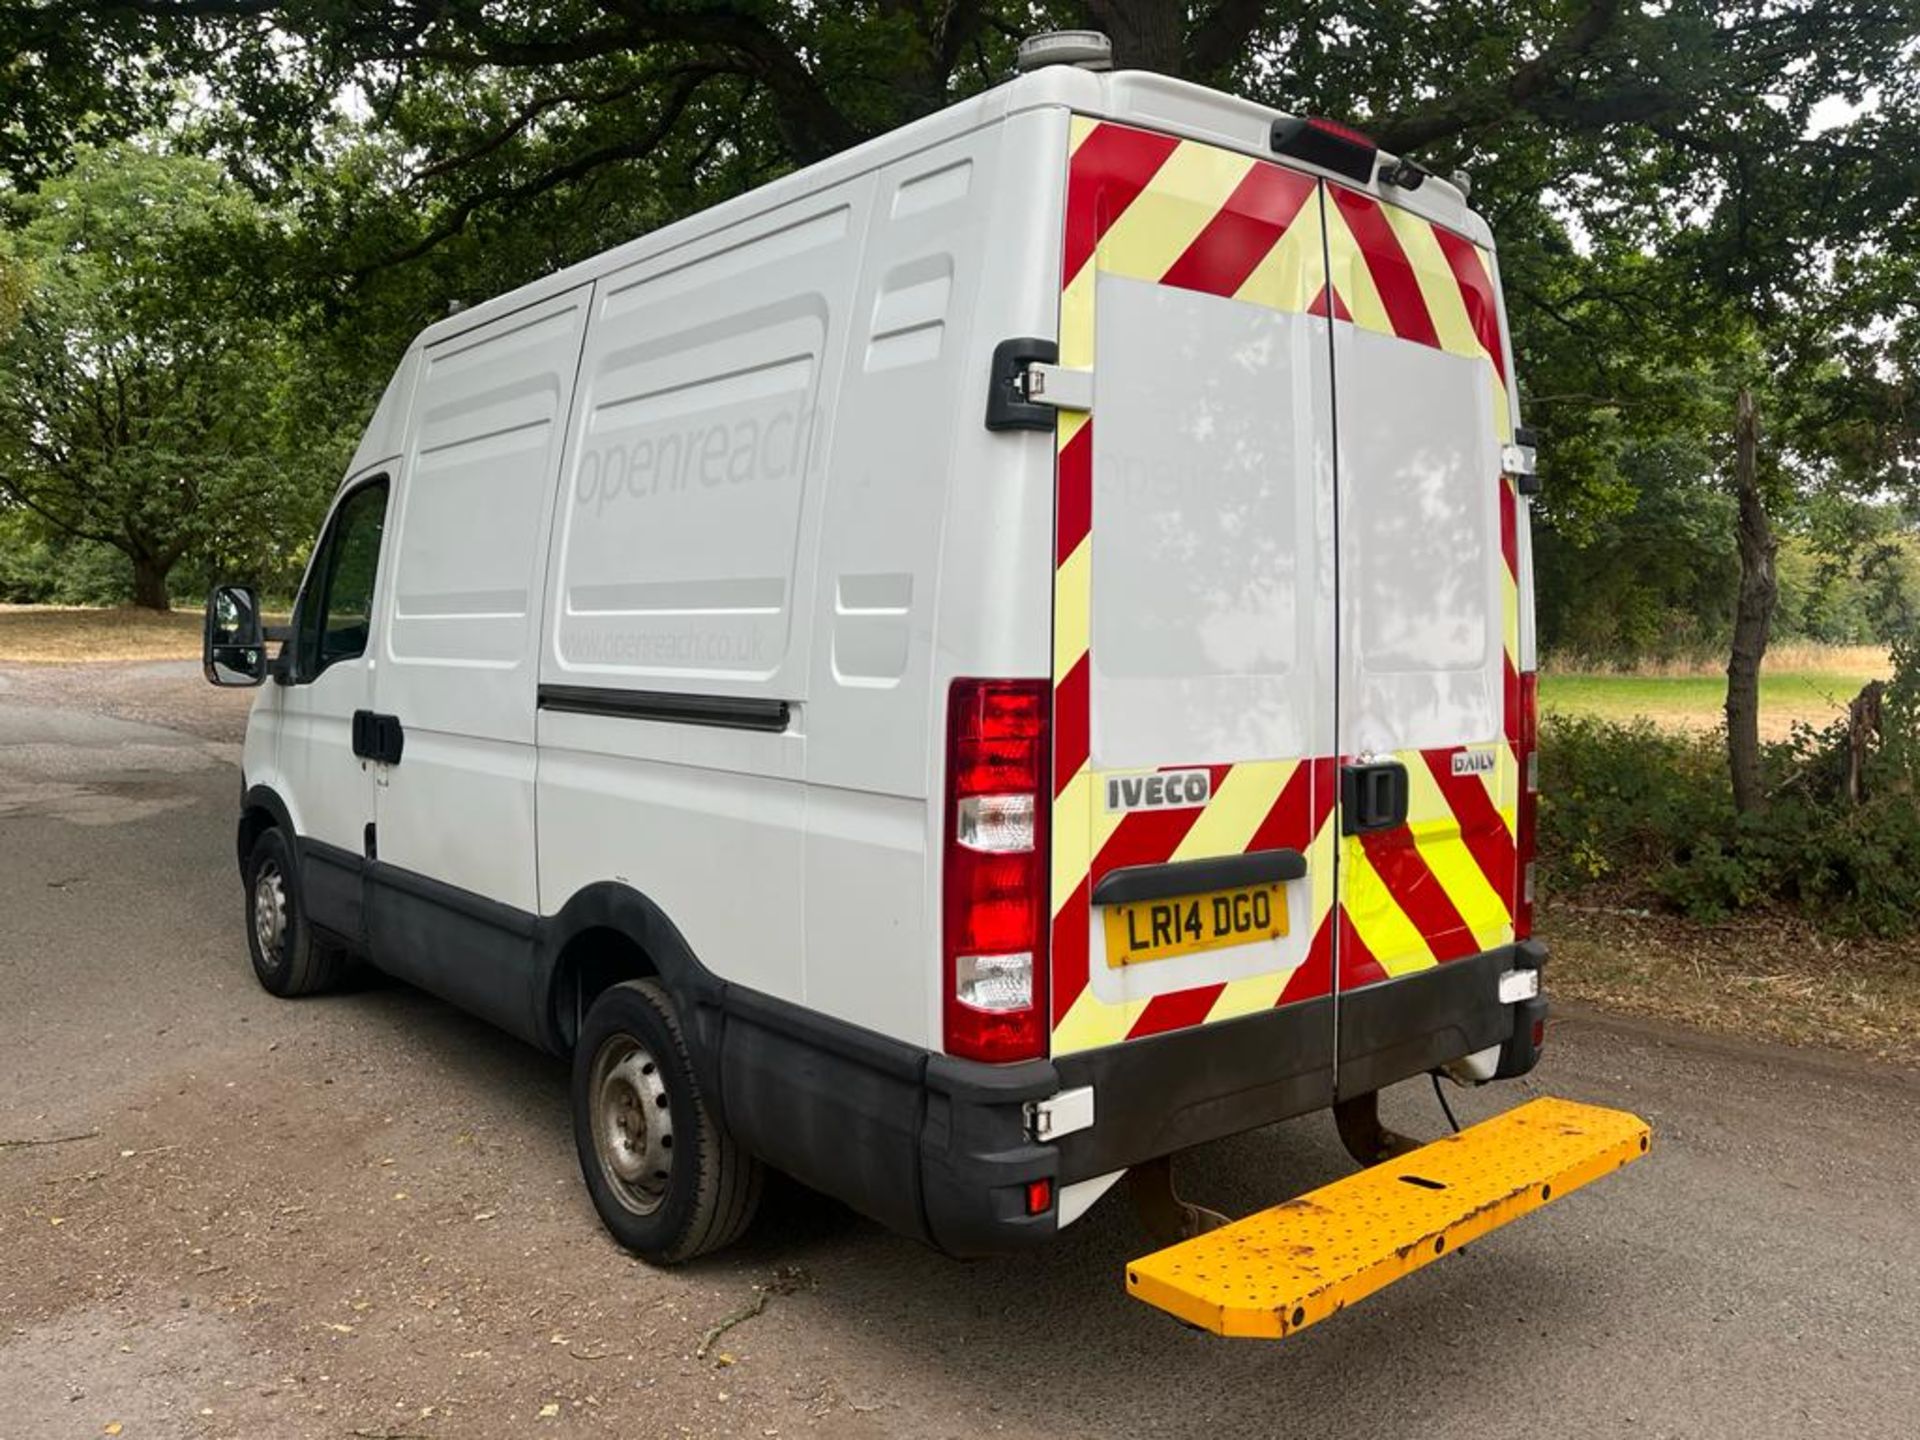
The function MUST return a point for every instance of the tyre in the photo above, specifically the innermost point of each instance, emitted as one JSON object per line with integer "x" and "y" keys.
{"x": 669, "y": 1182}
{"x": 287, "y": 958}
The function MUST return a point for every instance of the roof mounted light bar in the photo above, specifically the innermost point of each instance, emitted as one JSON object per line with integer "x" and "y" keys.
{"x": 1329, "y": 145}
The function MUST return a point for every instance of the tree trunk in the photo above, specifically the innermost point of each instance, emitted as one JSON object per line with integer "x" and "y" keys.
{"x": 150, "y": 582}
{"x": 1753, "y": 615}
{"x": 1146, "y": 34}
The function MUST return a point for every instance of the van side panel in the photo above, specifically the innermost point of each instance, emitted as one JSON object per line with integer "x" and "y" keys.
{"x": 681, "y": 574}
{"x": 465, "y": 560}
{"x": 956, "y": 250}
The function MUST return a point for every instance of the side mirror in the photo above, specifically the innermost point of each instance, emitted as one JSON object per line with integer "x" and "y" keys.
{"x": 233, "y": 647}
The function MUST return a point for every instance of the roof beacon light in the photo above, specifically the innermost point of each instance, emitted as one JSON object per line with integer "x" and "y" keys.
{"x": 1088, "y": 49}
{"x": 1324, "y": 143}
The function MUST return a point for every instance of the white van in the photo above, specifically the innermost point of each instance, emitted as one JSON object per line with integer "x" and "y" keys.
{"x": 973, "y": 668}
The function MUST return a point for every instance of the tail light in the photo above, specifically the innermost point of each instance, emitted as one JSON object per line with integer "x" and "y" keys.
{"x": 994, "y": 965}
{"x": 1527, "y": 831}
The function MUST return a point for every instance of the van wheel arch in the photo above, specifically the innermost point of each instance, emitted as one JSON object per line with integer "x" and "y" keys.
{"x": 592, "y": 961}
{"x": 261, "y": 810}
{"x": 610, "y": 933}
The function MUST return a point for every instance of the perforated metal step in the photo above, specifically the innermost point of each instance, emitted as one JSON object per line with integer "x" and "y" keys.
{"x": 1280, "y": 1270}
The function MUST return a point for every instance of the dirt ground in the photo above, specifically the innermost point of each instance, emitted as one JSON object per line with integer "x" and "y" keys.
{"x": 361, "y": 1216}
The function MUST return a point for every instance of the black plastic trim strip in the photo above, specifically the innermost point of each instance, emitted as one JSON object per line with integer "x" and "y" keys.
{"x": 732, "y": 712}
{"x": 1196, "y": 877}
{"x": 331, "y": 889}
{"x": 509, "y": 920}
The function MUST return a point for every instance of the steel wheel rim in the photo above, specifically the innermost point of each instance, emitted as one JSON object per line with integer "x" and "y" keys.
{"x": 632, "y": 1120}
{"x": 270, "y": 913}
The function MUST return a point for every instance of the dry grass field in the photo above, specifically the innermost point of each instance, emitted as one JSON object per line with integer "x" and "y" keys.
{"x": 1801, "y": 683}
{"x": 62, "y": 633}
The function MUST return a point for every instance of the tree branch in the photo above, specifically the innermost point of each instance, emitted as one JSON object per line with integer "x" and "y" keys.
{"x": 675, "y": 106}
{"x": 1526, "y": 89}
{"x": 525, "y": 117}
{"x": 16, "y": 492}
{"x": 1222, "y": 36}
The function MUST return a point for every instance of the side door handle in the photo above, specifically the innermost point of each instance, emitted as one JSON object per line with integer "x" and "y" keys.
{"x": 378, "y": 737}
{"x": 1373, "y": 796}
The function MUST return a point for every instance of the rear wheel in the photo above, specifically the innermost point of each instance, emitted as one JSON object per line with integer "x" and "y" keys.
{"x": 287, "y": 959}
{"x": 668, "y": 1181}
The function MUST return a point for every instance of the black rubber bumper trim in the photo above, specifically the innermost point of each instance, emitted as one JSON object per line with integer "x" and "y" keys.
{"x": 1164, "y": 1093}
{"x": 1196, "y": 877}
{"x": 1400, "y": 1028}
{"x": 928, "y": 1145}
{"x": 938, "y": 1148}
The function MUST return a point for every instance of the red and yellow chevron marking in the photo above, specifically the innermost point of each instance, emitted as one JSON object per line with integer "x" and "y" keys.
{"x": 1149, "y": 207}
{"x": 1173, "y": 212}
{"x": 1442, "y": 886}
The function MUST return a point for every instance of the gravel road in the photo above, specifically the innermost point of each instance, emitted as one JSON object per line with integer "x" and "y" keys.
{"x": 361, "y": 1215}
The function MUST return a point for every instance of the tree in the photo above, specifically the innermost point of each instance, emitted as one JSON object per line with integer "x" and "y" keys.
{"x": 145, "y": 392}
{"x": 500, "y": 105}
{"x": 1753, "y": 616}
{"x": 1668, "y": 182}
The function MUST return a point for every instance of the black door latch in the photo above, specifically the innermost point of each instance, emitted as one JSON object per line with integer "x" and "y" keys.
{"x": 377, "y": 737}
{"x": 1372, "y": 797}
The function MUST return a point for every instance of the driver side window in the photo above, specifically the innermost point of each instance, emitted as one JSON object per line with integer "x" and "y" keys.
{"x": 336, "y": 608}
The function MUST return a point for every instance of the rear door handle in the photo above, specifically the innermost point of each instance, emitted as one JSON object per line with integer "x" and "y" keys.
{"x": 1373, "y": 796}
{"x": 1197, "y": 877}
{"x": 378, "y": 737}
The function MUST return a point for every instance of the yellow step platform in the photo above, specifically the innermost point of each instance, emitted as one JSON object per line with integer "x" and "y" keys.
{"x": 1280, "y": 1270}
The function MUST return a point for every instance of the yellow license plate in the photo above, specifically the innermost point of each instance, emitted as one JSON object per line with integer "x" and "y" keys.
{"x": 1143, "y": 930}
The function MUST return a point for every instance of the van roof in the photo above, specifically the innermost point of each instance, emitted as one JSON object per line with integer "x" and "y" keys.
{"x": 1136, "y": 97}
{"x": 1132, "y": 96}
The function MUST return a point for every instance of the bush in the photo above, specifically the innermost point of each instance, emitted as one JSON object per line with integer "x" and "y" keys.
{"x": 1647, "y": 816}
{"x": 37, "y": 569}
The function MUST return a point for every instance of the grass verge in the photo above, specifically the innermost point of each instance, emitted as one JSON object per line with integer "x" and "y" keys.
{"x": 1766, "y": 977}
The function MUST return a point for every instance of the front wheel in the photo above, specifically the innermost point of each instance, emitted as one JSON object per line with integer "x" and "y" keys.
{"x": 668, "y": 1181}
{"x": 288, "y": 959}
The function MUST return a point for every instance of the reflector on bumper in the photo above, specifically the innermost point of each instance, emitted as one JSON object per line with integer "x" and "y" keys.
{"x": 1281, "y": 1270}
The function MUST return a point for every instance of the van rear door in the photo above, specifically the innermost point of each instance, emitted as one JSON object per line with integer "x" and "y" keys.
{"x": 1267, "y": 599}
{"x": 1429, "y": 634}
{"x": 1194, "y": 605}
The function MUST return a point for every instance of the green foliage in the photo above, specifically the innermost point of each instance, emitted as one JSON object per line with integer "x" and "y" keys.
{"x": 1646, "y": 816}
{"x": 1690, "y": 198}
{"x": 41, "y": 569}
{"x": 150, "y": 400}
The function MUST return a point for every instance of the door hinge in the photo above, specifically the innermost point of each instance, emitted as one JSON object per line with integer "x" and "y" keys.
{"x": 1026, "y": 386}
{"x": 1520, "y": 460}
{"x": 1060, "y": 1114}
{"x": 1059, "y": 387}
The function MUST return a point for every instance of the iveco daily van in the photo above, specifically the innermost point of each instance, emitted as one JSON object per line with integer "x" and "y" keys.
{"x": 970, "y": 669}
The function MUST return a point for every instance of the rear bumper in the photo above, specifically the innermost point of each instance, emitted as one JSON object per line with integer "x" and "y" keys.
{"x": 939, "y": 1149}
